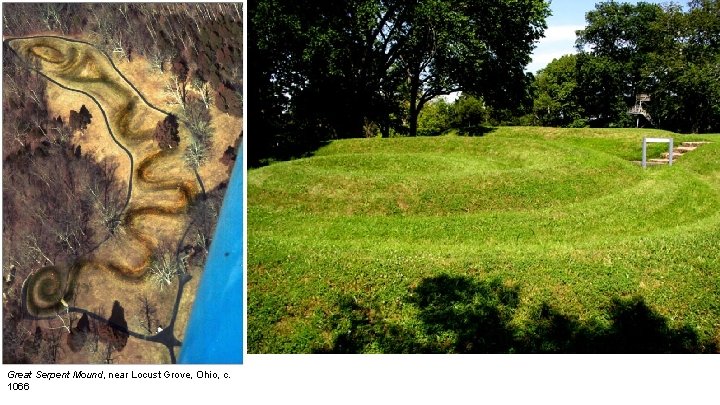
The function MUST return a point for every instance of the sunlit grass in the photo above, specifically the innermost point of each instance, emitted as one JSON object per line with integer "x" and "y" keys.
{"x": 563, "y": 215}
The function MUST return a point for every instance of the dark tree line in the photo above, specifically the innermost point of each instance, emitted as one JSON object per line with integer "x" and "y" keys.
{"x": 668, "y": 52}
{"x": 324, "y": 70}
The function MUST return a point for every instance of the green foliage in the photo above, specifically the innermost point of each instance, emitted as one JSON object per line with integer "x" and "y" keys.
{"x": 447, "y": 50}
{"x": 435, "y": 118}
{"x": 324, "y": 70}
{"x": 469, "y": 114}
{"x": 663, "y": 51}
{"x": 556, "y": 102}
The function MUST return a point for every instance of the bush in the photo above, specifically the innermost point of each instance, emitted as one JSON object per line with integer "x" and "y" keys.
{"x": 434, "y": 119}
{"x": 469, "y": 114}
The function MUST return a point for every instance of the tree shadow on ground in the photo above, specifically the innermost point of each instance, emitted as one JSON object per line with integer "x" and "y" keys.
{"x": 472, "y": 131}
{"x": 285, "y": 151}
{"x": 458, "y": 314}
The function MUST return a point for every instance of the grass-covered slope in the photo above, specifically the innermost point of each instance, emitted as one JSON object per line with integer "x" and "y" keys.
{"x": 526, "y": 239}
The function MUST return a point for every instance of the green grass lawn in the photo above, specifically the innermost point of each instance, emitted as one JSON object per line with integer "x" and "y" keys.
{"x": 523, "y": 240}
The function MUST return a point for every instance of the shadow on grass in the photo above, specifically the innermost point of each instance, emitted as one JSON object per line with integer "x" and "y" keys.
{"x": 475, "y": 131}
{"x": 462, "y": 315}
{"x": 283, "y": 147}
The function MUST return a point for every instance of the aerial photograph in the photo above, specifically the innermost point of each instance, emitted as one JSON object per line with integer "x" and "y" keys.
{"x": 121, "y": 126}
{"x": 491, "y": 176}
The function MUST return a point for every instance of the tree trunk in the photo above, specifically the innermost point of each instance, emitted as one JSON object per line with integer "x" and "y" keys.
{"x": 413, "y": 111}
{"x": 385, "y": 130}
{"x": 413, "y": 117}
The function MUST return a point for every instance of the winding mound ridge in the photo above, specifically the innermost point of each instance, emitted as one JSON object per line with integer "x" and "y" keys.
{"x": 160, "y": 187}
{"x": 562, "y": 216}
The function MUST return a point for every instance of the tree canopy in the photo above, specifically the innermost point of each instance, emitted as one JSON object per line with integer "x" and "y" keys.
{"x": 166, "y": 132}
{"x": 666, "y": 51}
{"x": 330, "y": 70}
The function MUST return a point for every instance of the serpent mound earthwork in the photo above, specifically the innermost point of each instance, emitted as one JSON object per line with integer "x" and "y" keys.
{"x": 160, "y": 186}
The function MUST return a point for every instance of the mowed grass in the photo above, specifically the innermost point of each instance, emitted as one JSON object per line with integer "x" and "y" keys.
{"x": 408, "y": 244}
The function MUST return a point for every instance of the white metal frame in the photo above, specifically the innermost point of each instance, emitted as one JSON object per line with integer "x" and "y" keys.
{"x": 645, "y": 141}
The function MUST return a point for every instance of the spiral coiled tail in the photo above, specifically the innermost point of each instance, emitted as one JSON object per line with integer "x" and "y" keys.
{"x": 46, "y": 289}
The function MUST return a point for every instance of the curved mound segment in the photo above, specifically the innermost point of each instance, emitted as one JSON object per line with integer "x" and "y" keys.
{"x": 161, "y": 185}
{"x": 497, "y": 176}
{"x": 564, "y": 217}
{"x": 45, "y": 289}
{"x": 81, "y": 67}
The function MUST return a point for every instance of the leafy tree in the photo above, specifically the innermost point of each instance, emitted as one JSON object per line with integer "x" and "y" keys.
{"x": 616, "y": 42}
{"x": 664, "y": 51}
{"x": 324, "y": 70}
{"x": 556, "y": 102}
{"x": 469, "y": 114}
{"x": 685, "y": 83}
{"x": 435, "y": 118}
{"x": 166, "y": 132}
{"x": 481, "y": 47}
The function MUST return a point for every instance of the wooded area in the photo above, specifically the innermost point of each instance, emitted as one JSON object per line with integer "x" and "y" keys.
{"x": 375, "y": 67}
{"x": 670, "y": 52}
{"x": 354, "y": 68}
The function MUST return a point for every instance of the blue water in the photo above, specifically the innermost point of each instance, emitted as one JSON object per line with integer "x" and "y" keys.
{"x": 215, "y": 332}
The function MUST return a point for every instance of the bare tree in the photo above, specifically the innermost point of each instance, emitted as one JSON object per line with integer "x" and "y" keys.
{"x": 35, "y": 252}
{"x": 148, "y": 314}
{"x": 15, "y": 341}
{"x": 196, "y": 154}
{"x": 156, "y": 57}
{"x": 92, "y": 344}
{"x": 202, "y": 243}
{"x": 50, "y": 347}
{"x": 197, "y": 120}
{"x": 202, "y": 88}
{"x": 163, "y": 269}
{"x": 174, "y": 92}
{"x": 68, "y": 238}
{"x": 51, "y": 18}
{"x": 204, "y": 214}
{"x": 38, "y": 122}
{"x": 62, "y": 132}
{"x": 109, "y": 349}
{"x": 107, "y": 196}
{"x": 19, "y": 131}
{"x": 66, "y": 324}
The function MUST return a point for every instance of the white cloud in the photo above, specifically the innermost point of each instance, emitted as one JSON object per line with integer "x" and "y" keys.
{"x": 559, "y": 40}
{"x": 541, "y": 59}
{"x": 561, "y": 33}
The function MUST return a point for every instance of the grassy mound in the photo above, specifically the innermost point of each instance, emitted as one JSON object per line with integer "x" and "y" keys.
{"x": 524, "y": 240}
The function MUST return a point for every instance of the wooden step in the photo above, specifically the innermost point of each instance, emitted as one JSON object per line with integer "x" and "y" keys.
{"x": 661, "y": 161}
{"x": 685, "y": 148}
{"x": 638, "y": 162}
{"x": 695, "y": 143}
{"x": 676, "y": 155}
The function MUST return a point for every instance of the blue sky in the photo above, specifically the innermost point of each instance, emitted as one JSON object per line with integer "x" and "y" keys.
{"x": 567, "y": 17}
